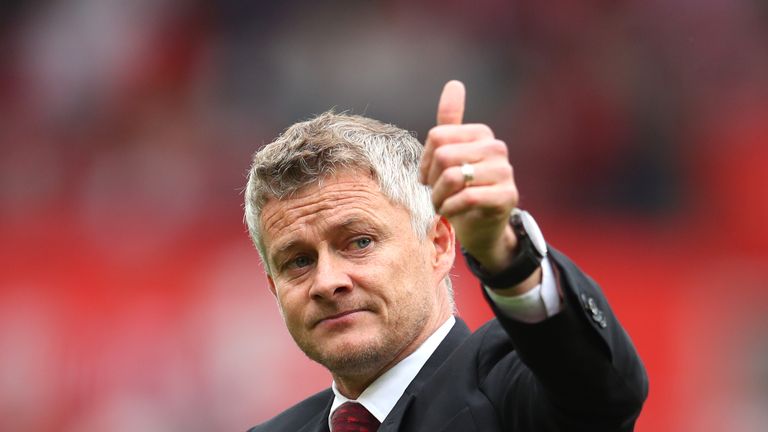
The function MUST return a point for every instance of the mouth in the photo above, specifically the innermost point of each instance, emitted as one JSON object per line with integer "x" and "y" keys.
{"x": 339, "y": 317}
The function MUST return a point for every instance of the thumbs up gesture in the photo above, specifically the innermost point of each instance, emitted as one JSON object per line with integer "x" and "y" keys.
{"x": 472, "y": 182}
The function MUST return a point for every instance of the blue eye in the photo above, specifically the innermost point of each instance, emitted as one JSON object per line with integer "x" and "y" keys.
{"x": 362, "y": 242}
{"x": 300, "y": 262}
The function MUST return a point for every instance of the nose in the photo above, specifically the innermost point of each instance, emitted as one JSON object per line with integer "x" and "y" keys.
{"x": 331, "y": 278}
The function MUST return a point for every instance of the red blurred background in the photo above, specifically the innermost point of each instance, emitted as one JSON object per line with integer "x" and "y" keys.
{"x": 131, "y": 298}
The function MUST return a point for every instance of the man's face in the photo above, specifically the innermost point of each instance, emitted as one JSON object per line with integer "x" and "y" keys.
{"x": 357, "y": 288}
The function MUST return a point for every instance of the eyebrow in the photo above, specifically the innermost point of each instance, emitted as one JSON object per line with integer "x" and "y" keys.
{"x": 283, "y": 250}
{"x": 352, "y": 222}
{"x": 348, "y": 225}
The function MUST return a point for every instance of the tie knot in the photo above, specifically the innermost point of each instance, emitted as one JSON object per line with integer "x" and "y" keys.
{"x": 353, "y": 417}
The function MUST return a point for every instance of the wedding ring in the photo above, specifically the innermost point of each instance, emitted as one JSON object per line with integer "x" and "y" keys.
{"x": 468, "y": 171}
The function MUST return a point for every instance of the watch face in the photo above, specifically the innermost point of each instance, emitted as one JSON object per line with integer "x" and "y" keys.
{"x": 534, "y": 233}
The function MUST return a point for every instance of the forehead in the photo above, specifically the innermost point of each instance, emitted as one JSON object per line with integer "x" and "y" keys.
{"x": 338, "y": 199}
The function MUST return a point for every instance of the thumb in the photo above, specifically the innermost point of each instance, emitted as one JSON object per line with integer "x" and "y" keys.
{"x": 450, "y": 109}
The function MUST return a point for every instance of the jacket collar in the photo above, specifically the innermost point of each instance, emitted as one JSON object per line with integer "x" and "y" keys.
{"x": 455, "y": 337}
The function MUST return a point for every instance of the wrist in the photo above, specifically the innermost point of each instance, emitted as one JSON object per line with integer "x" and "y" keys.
{"x": 500, "y": 255}
{"x": 522, "y": 265}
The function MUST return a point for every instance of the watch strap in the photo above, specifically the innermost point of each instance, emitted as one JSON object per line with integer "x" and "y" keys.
{"x": 527, "y": 260}
{"x": 521, "y": 268}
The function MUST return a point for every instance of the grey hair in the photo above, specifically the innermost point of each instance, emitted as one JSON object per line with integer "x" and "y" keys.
{"x": 317, "y": 148}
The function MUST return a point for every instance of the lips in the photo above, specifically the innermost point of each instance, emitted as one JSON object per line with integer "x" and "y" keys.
{"x": 337, "y": 316}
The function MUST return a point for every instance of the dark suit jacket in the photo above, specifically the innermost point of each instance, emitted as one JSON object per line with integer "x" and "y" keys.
{"x": 576, "y": 371}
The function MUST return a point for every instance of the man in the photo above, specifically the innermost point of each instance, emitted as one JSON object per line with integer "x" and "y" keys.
{"x": 342, "y": 211}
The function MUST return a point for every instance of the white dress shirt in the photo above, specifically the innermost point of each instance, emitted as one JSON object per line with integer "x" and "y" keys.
{"x": 538, "y": 304}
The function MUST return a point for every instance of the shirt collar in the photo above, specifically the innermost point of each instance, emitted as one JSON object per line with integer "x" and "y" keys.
{"x": 382, "y": 395}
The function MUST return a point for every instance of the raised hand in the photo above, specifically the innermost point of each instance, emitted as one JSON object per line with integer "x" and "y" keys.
{"x": 472, "y": 182}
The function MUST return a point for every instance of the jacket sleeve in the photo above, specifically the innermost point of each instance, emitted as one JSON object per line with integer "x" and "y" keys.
{"x": 576, "y": 370}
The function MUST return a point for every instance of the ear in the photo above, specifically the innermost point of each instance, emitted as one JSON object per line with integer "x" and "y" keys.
{"x": 443, "y": 239}
{"x": 272, "y": 287}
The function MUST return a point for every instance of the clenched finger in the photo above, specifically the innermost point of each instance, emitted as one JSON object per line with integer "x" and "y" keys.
{"x": 452, "y": 155}
{"x": 450, "y": 134}
{"x": 497, "y": 198}
{"x": 451, "y": 182}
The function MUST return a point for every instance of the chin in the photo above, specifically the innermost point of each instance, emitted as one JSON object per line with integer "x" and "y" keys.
{"x": 352, "y": 356}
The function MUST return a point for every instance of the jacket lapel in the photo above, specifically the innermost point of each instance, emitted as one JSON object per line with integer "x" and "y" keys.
{"x": 455, "y": 337}
{"x": 319, "y": 423}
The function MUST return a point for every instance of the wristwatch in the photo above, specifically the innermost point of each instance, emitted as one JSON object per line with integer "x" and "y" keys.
{"x": 531, "y": 250}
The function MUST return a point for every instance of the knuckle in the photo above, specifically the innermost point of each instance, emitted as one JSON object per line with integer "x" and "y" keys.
{"x": 436, "y": 135}
{"x": 501, "y": 169}
{"x": 485, "y": 129}
{"x": 442, "y": 158}
{"x": 454, "y": 178}
{"x": 470, "y": 197}
{"x": 432, "y": 135}
{"x": 505, "y": 169}
{"x": 450, "y": 180}
{"x": 500, "y": 147}
{"x": 510, "y": 192}
{"x": 495, "y": 148}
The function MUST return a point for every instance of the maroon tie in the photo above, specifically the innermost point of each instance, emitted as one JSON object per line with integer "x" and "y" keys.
{"x": 353, "y": 417}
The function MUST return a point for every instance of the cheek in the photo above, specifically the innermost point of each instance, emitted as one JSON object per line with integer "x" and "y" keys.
{"x": 413, "y": 263}
{"x": 290, "y": 306}
{"x": 404, "y": 275}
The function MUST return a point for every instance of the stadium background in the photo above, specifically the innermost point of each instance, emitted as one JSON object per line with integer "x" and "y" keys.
{"x": 131, "y": 299}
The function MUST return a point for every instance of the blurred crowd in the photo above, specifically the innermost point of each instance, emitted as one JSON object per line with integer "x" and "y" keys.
{"x": 131, "y": 299}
